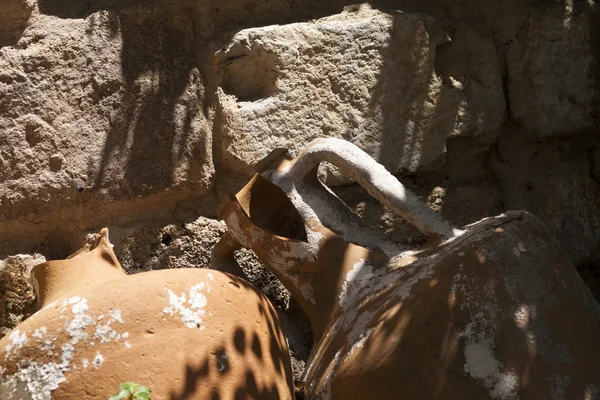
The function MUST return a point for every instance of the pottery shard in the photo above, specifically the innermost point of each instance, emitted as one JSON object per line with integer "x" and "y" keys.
{"x": 366, "y": 76}
{"x": 550, "y": 93}
{"x": 91, "y": 109}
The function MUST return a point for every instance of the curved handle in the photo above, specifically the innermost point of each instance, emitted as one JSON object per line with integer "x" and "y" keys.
{"x": 379, "y": 182}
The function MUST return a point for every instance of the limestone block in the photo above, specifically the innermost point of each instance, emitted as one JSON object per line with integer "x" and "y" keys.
{"x": 365, "y": 76}
{"x": 92, "y": 110}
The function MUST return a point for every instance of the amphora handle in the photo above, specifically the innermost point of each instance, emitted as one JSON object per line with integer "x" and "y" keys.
{"x": 379, "y": 182}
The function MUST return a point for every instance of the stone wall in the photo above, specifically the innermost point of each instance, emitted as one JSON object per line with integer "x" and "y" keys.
{"x": 140, "y": 115}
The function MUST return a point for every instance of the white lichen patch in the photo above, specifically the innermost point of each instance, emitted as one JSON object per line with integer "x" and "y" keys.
{"x": 77, "y": 325}
{"x": 305, "y": 288}
{"x": 481, "y": 364}
{"x": 522, "y": 316}
{"x": 360, "y": 343}
{"x": 98, "y": 360}
{"x": 40, "y": 332}
{"x": 506, "y": 387}
{"x": 480, "y": 334}
{"x": 67, "y": 353}
{"x": 188, "y": 306}
{"x": 115, "y": 315}
{"x": 17, "y": 340}
{"x": 36, "y": 381}
{"x": 33, "y": 381}
{"x": 519, "y": 249}
{"x": 457, "y": 283}
{"x": 45, "y": 340}
{"x": 104, "y": 332}
{"x": 79, "y": 306}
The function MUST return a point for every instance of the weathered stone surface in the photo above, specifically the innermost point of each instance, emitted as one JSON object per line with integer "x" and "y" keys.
{"x": 550, "y": 72}
{"x": 553, "y": 181}
{"x": 90, "y": 105}
{"x": 16, "y": 292}
{"x": 13, "y": 19}
{"x": 173, "y": 246}
{"x": 366, "y": 76}
{"x": 215, "y": 17}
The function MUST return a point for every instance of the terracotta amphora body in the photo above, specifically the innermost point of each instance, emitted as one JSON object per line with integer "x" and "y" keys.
{"x": 183, "y": 333}
{"x": 494, "y": 310}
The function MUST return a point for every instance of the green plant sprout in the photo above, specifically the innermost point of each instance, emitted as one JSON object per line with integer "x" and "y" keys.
{"x": 132, "y": 391}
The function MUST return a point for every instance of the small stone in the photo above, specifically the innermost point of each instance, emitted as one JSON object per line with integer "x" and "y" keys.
{"x": 17, "y": 295}
{"x": 56, "y": 161}
{"x": 461, "y": 254}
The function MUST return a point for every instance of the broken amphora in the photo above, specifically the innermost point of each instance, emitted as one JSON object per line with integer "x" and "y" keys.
{"x": 183, "y": 333}
{"x": 494, "y": 310}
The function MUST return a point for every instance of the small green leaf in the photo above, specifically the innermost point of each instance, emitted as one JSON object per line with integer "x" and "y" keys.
{"x": 132, "y": 391}
{"x": 142, "y": 396}
{"x": 127, "y": 386}
{"x": 123, "y": 394}
{"x": 142, "y": 389}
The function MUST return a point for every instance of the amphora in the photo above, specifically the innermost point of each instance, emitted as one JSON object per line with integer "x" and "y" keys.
{"x": 183, "y": 333}
{"x": 493, "y": 310}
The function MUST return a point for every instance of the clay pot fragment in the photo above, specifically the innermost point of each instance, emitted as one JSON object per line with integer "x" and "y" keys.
{"x": 494, "y": 310}
{"x": 183, "y": 333}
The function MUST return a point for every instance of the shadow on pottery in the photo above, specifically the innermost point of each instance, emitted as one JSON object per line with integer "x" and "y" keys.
{"x": 184, "y": 333}
{"x": 493, "y": 310}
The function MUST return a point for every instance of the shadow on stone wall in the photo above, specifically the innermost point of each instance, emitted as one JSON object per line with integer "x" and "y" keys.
{"x": 418, "y": 112}
{"x": 82, "y": 9}
{"x": 159, "y": 134}
{"x": 13, "y": 21}
{"x": 162, "y": 100}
